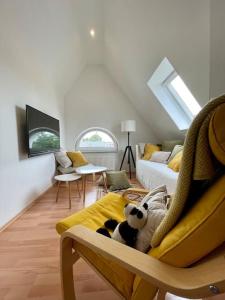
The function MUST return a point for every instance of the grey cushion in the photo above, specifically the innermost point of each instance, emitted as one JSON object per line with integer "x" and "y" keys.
{"x": 62, "y": 158}
{"x": 66, "y": 170}
{"x": 117, "y": 180}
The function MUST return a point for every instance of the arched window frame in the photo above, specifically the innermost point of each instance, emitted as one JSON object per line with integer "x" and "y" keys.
{"x": 97, "y": 149}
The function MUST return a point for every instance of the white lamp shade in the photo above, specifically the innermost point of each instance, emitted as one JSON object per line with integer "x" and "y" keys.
{"x": 128, "y": 126}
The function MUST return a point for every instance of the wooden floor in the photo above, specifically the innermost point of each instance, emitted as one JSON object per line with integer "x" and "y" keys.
{"x": 29, "y": 254}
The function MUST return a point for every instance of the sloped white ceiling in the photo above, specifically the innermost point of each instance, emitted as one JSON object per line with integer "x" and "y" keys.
{"x": 51, "y": 38}
{"x": 139, "y": 34}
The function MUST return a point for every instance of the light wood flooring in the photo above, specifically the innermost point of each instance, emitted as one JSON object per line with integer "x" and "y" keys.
{"x": 29, "y": 253}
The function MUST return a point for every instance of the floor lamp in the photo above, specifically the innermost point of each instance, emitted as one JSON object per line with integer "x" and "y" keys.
{"x": 128, "y": 126}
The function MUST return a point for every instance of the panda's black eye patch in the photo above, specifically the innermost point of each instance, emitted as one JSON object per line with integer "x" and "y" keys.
{"x": 134, "y": 211}
{"x": 145, "y": 206}
{"x": 140, "y": 214}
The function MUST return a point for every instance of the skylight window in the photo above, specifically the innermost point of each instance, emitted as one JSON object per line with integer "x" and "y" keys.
{"x": 174, "y": 95}
{"x": 181, "y": 92}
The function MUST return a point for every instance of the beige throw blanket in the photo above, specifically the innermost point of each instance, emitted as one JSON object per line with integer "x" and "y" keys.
{"x": 198, "y": 163}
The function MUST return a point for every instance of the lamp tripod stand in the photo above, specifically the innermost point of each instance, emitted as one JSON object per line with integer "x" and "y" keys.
{"x": 130, "y": 155}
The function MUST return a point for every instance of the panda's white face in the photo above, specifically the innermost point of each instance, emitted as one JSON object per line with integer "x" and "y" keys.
{"x": 136, "y": 215}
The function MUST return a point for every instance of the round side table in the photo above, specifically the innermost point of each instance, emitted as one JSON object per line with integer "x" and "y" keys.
{"x": 67, "y": 178}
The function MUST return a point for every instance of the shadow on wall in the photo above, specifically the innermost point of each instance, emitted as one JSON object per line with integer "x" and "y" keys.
{"x": 21, "y": 132}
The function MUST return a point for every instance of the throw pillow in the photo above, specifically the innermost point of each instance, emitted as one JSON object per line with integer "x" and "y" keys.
{"x": 77, "y": 158}
{"x": 160, "y": 156}
{"x": 117, "y": 180}
{"x": 149, "y": 149}
{"x": 176, "y": 150}
{"x": 63, "y": 159}
{"x": 175, "y": 163}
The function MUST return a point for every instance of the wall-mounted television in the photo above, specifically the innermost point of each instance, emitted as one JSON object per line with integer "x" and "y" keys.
{"x": 43, "y": 133}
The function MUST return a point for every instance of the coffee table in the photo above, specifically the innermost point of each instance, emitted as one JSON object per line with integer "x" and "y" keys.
{"x": 90, "y": 169}
{"x": 67, "y": 178}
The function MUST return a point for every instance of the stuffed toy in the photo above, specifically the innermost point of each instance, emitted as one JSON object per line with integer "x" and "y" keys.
{"x": 141, "y": 220}
{"x": 126, "y": 232}
{"x": 157, "y": 201}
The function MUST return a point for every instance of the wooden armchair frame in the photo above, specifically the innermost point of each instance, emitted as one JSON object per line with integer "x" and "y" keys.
{"x": 204, "y": 279}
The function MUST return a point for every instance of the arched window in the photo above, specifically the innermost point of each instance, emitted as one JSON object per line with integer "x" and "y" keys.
{"x": 96, "y": 139}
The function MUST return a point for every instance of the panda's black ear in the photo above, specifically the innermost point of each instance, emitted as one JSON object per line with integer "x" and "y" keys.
{"x": 145, "y": 205}
{"x": 134, "y": 211}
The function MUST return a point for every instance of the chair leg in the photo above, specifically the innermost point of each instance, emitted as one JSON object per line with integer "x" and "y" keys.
{"x": 57, "y": 194}
{"x": 161, "y": 295}
{"x": 69, "y": 194}
{"x": 67, "y": 259}
{"x": 78, "y": 188}
{"x": 104, "y": 181}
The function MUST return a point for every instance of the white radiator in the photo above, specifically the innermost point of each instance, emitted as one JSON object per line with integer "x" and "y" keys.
{"x": 108, "y": 160}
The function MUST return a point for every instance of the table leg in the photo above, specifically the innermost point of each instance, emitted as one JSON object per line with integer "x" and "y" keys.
{"x": 69, "y": 195}
{"x": 84, "y": 186}
{"x": 78, "y": 188}
{"x": 104, "y": 180}
{"x": 57, "y": 194}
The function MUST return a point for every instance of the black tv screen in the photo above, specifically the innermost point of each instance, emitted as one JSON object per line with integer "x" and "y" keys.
{"x": 42, "y": 132}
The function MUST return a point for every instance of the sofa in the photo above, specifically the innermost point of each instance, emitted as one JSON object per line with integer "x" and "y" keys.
{"x": 153, "y": 174}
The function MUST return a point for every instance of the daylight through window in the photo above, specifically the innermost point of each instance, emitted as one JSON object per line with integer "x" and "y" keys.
{"x": 96, "y": 140}
{"x": 183, "y": 95}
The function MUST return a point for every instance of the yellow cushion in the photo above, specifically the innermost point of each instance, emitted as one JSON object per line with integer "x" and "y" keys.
{"x": 199, "y": 232}
{"x": 77, "y": 158}
{"x": 93, "y": 217}
{"x": 149, "y": 149}
{"x": 217, "y": 133}
{"x": 175, "y": 163}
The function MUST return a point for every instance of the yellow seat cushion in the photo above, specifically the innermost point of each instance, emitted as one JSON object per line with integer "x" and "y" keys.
{"x": 217, "y": 133}
{"x": 175, "y": 163}
{"x": 93, "y": 217}
{"x": 148, "y": 150}
{"x": 77, "y": 158}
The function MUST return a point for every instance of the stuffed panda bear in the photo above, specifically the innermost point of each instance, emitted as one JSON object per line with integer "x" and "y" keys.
{"x": 126, "y": 232}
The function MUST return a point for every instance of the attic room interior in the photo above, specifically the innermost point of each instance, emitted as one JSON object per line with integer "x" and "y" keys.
{"x": 112, "y": 155}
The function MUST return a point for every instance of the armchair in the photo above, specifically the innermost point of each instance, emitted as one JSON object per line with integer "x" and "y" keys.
{"x": 187, "y": 255}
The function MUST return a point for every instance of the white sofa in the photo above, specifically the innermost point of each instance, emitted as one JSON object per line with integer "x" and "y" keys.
{"x": 152, "y": 174}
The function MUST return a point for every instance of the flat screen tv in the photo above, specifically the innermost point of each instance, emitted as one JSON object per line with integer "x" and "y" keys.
{"x": 43, "y": 134}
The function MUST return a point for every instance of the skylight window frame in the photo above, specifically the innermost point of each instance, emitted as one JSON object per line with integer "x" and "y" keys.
{"x": 175, "y": 105}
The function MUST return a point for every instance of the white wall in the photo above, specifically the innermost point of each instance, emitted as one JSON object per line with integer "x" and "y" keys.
{"x": 21, "y": 82}
{"x": 96, "y": 100}
{"x": 21, "y": 179}
{"x": 217, "y": 62}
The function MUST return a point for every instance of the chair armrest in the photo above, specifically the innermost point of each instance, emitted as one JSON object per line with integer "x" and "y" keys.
{"x": 186, "y": 282}
{"x": 134, "y": 194}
